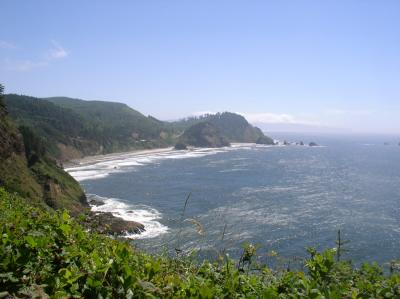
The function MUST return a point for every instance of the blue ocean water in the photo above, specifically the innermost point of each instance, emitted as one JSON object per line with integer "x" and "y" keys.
{"x": 280, "y": 198}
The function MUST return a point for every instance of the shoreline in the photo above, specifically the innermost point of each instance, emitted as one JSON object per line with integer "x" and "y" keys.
{"x": 100, "y": 166}
{"x": 132, "y": 227}
{"x": 87, "y": 160}
{"x": 109, "y": 221}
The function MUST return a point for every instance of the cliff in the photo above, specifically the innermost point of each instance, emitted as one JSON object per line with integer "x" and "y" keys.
{"x": 27, "y": 170}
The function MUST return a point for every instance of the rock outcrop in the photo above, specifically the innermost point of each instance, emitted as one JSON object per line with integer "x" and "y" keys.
{"x": 107, "y": 223}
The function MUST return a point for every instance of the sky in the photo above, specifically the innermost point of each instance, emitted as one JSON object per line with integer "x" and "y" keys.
{"x": 284, "y": 65}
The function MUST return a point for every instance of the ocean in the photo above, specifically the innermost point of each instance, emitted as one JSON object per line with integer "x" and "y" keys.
{"x": 280, "y": 198}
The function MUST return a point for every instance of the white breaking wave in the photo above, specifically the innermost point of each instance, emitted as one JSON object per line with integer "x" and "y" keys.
{"x": 99, "y": 167}
{"x": 103, "y": 166}
{"x": 140, "y": 213}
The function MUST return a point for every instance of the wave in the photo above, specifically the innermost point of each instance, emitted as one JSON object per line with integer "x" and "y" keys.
{"x": 140, "y": 213}
{"x": 101, "y": 167}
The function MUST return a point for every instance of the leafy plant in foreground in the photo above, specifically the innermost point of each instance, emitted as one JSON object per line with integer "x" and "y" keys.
{"x": 45, "y": 253}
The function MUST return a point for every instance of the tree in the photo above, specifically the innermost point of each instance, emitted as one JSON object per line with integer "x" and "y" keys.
{"x": 2, "y": 105}
{"x": 34, "y": 145}
{"x": 1, "y": 91}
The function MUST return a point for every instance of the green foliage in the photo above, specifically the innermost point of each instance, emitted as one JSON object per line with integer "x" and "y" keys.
{"x": 3, "y": 109}
{"x": 25, "y": 168}
{"x": 1, "y": 95}
{"x": 60, "y": 190}
{"x": 34, "y": 146}
{"x": 52, "y": 123}
{"x": 49, "y": 253}
{"x": 69, "y": 126}
{"x": 203, "y": 134}
{"x": 233, "y": 127}
{"x": 14, "y": 172}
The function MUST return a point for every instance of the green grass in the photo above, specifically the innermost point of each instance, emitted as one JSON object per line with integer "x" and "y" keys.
{"x": 44, "y": 252}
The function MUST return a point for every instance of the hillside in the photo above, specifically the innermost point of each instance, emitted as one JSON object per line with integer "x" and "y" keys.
{"x": 203, "y": 134}
{"x": 26, "y": 169}
{"x": 233, "y": 127}
{"x": 73, "y": 128}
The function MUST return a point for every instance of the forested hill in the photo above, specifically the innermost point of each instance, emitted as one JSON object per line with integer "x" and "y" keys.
{"x": 233, "y": 127}
{"x": 203, "y": 134}
{"x": 73, "y": 128}
{"x": 25, "y": 168}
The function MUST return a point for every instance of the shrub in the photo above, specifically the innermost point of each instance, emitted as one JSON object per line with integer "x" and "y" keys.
{"x": 47, "y": 253}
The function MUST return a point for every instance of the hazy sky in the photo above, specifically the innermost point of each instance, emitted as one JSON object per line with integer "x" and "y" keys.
{"x": 309, "y": 63}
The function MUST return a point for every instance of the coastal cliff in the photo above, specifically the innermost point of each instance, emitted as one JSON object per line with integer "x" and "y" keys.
{"x": 27, "y": 169}
{"x": 39, "y": 135}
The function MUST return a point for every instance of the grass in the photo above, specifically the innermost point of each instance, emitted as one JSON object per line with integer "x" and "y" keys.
{"x": 48, "y": 254}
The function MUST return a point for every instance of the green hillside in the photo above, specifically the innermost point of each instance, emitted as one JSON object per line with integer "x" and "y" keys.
{"x": 112, "y": 118}
{"x": 55, "y": 125}
{"x": 26, "y": 168}
{"x": 232, "y": 126}
{"x": 73, "y": 128}
{"x": 203, "y": 134}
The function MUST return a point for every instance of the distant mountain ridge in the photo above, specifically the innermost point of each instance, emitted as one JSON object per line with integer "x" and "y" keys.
{"x": 73, "y": 128}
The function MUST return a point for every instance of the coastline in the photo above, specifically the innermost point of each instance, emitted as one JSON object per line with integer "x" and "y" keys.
{"x": 108, "y": 222}
{"x": 87, "y": 160}
{"x": 100, "y": 209}
{"x": 146, "y": 218}
{"x": 122, "y": 210}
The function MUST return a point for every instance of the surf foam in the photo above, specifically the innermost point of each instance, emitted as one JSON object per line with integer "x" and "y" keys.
{"x": 101, "y": 167}
{"x": 140, "y": 213}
